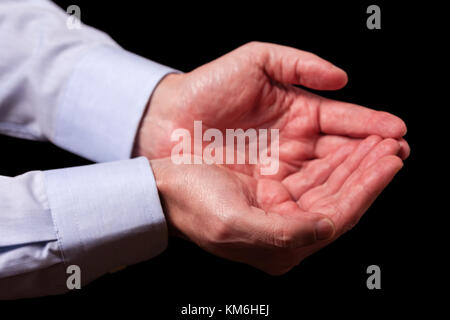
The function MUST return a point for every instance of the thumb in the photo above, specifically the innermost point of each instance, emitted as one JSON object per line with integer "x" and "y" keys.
{"x": 293, "y": 66}
{"x": 294, "y": 230}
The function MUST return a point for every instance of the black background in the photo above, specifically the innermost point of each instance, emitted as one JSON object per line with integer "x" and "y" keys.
{"x": 383, "y": 73}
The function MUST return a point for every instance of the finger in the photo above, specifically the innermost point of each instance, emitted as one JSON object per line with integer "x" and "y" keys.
{"x": 327, "y": 144}
{"x": 357, "y": 197}
{"x": 348, "y": 119}
{"x": 317, "y": 171}
{"x": 293, "y": 66}
{"x": 270, "y": 193}
{"x": 290, "y": 230}
{"x": 384, "y": 148}
{"x": 390, "y": 146}
{"x": 340, "y": 175}
{"x": 405, "y": 150}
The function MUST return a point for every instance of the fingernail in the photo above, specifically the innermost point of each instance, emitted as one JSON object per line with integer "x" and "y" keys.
{"x": 324, "y": 229}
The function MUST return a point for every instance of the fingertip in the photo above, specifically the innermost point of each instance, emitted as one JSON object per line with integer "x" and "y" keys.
{"x": 390, "y": 126}
{"x": 405, "y": 149}
{"x": 321, "y": 75}
{"x": 341, "y": 75}
{"x": 393, "y": 163}
{"x": 403, "y": 129}
{"x": 399, "y": 163}
{"x": 392, "y": 146}
{"x": 334, "y": 78}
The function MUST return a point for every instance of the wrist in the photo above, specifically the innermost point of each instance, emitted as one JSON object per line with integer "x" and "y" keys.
{"x": 157, "y": 117}
{"x": 162, "y": 170}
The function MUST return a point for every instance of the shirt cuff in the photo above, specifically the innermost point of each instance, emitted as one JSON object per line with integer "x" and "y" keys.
{"x": 103, "y": 103}
{"x": 106, "y": 215}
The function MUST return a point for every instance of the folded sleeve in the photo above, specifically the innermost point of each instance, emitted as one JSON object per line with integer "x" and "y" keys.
{"x": 102, "y": 105}
{"x": 74, "y": 87}
{"x": 99, "y": 217}
{"x": 80, "y": 90}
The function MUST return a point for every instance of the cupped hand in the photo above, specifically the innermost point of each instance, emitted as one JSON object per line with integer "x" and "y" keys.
{"x": 252, "y": 87}
{"x": 256, "y": 221}
{"x": 335, "y": 157}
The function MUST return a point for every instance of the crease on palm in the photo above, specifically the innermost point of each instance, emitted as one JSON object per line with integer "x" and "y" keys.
{"x": 324, "y": 144}
{"x": 318, "y": 171}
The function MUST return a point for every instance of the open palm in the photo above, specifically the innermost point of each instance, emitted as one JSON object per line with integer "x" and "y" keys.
{"x": 335, "y": 157}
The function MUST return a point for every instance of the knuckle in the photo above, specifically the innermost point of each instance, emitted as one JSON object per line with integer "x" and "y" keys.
{"x": 305, "y": 202}
{"x": 222, "y": 230}
{"x": 220, "y": 233}
{"x": 253, "y": 44}
{"x": 258, "y": 50}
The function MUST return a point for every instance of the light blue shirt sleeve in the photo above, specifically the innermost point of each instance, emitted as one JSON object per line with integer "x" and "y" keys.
{"x": 99, "y": 217}
{"x": 81, "y": 91}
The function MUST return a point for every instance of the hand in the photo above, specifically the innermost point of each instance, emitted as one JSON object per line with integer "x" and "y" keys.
{"x": 255, "y": 221}
{"x": 251, "y": 88}
{"x": 335, "y": 157}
